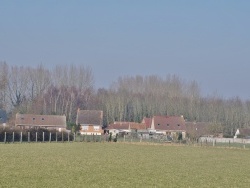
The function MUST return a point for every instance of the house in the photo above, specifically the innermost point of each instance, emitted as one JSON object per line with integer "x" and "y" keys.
{"x": 41, "y": 121}
{"x": 147, "y": 122}
{"x": 242, "y": 133}
{"x": 91, "y": 121}
{"x": 198, "y": 129}
{"x": 172, "y": 126}
{"x": 125, "y": 127}
{"x": 3, "y": 117}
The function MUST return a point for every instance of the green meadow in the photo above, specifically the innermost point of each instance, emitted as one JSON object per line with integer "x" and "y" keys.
{"x": 122, "y": 165}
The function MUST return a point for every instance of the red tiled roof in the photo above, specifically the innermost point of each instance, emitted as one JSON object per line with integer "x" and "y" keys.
{"x": 169, "y": 123}
{"x": 138, "y": 126}
{"x": 40, "y": 120}
{"x": 118, "y": 126}
{"x": 91, "y": 117}
{"x": 127, "y": 125}
{"x": 147, "y": 121}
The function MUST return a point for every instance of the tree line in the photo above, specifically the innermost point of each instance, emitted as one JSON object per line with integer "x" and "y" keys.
{"x": 64, "y": 89}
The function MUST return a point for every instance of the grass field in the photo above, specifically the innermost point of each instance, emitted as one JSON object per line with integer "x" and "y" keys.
{"x": 122, "y": 165}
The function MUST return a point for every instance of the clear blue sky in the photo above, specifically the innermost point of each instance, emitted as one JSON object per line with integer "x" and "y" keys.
{"x": 208, "y": 41}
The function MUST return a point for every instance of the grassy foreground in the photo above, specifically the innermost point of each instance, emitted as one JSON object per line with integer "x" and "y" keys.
{"x": 121, "y": 165}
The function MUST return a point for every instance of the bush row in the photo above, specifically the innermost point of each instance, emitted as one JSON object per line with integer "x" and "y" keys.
{"x": 18, "y": 133}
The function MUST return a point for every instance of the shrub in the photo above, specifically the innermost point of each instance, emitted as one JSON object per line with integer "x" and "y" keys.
{"x": 115, "y": 139}
{"x": 179, "y": 136}
{"x": 110, "y": 137}
{"x": 240, "y": 136}
{"x": 227, "y": 136}
{"x": 9, "y": 134}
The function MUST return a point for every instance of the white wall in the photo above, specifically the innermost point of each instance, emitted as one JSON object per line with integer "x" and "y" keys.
{"x": 225, "y": 140}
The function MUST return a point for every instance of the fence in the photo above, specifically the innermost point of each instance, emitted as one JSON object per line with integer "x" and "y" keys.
{"x": 143, "y": 138}
{"x": 224, "y": 142}
{"x": 11, "y": 137}
{"x": 45, "y": 136}
{"x": 41, "y": 136}
{"x": 28, "y": 137}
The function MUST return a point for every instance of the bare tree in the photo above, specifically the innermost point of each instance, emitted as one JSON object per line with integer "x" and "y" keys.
{"x": 40, "y": 80}
{"x": 18, "y": 85}
{"x": 3, "y": 84}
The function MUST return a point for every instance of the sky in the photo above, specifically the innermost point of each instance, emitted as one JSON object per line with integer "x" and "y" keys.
{"x": 206, "y": 41}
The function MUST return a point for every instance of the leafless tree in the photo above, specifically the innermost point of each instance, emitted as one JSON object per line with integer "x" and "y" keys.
{"x": 130, "y": 98}
{"x": 3, "y": 84}
{"x": 18, "y": 85}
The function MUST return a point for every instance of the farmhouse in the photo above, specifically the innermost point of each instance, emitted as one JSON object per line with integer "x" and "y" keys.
{"x": 168, "y": 125}
{"x": 91, "y": 121}
{"x": 41, "y": 121}
{"x": 3, "y": 117}
{"x": 242, "y": 133}
{"x": 198, "y": 129}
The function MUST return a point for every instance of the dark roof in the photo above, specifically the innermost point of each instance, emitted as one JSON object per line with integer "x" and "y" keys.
{"x": 3, "y": 116}
{"x": 40, "y": 120}
{"x": 127, "y": 125}
{"x": 91, "y": 117}
{"x": 173, "y": 123}
{"x": 245, "y": 131}
{"x": 198, "y": 128}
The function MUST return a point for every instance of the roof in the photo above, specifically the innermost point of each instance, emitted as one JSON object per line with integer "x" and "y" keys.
{"x": 118, "y": 126}
{"x": 91, "y": 117}
{"x": 127, "y": 125}
{"x": 40, "y": 120}
{"x": 147, "y": 121}
{"x": 169, "y": 123}
{"x": 3, "y": 116}
{"x": 198, "y": 128}
{"x": 245, "y": 131}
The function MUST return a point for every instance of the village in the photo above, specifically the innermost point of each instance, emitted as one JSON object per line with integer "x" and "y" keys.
{"x": 90, "y": 122}
{"x": 124, "y": 94}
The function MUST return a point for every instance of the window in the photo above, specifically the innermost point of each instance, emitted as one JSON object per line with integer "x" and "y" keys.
{"x": 34, "y": 118}
{"x": 85, "y": 128}
{"x": 22, "y": 118}
{"x": 167, "y": 124}
{"x": 96, "y": 128}
{"x": 158, "y": 124}
{"x": 178, "y": 125}
{"x": 43, "y": 119}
